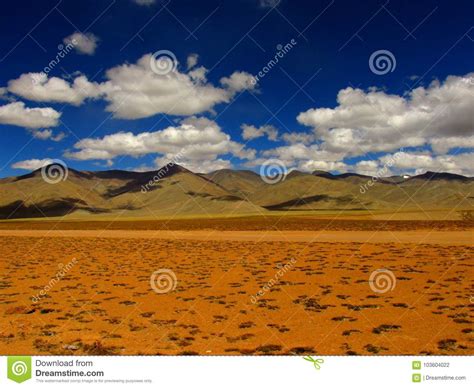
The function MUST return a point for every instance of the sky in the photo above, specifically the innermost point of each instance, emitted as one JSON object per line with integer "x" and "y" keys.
{"x": 374, "y": 87}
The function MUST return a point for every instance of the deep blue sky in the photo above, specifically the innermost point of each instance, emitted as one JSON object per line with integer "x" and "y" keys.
{"x": 438, "y": 48}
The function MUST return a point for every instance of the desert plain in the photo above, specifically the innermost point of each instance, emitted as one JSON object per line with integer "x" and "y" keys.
{"x": 239, "y": 286}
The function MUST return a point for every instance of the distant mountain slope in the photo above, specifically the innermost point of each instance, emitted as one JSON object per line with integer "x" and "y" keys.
{"x": 176, "y": 191}
{"x": 239, "y": 182}
{"x": 170, "y": 190}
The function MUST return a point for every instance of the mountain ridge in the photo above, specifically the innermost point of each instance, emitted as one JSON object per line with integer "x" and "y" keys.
{"x": 174, "y": 190}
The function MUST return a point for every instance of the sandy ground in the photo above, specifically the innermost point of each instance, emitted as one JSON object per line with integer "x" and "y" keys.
{"x": 90, "y": 292}
{"x": 419, "y": 237}
{"x": 266, "y": 223}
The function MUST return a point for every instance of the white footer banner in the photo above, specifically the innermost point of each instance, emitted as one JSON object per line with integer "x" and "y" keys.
{"x": 227, "y": 371}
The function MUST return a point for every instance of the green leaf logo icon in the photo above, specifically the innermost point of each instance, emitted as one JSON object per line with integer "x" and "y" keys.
{"x": 19, "y": 368}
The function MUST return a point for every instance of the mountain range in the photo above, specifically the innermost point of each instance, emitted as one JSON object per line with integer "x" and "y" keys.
{"x": 175, "y": 191}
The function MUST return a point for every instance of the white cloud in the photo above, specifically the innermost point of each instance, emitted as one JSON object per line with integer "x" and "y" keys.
{"x": 137, "y": 92}
{"x": 443, "y": 145}
{"x": 423, "y": 161}
{"x": 60, "y": 136}
{"x": 250, "y": 132}
{"x": 17, "y": 114}
{"x": 303, "y": 157}
{"x": 134, "y": 91}
{"x": 371, "y": 168}
{"x": 83, "y": 43}
{"x": 144, "y": 2}
{"x": 42, "y": 134}
{"x": 403, "y": 162}
{"x": 192, "y": 60}
{"x": 439, "y": 117}
{"x": 311, "y": 165}
{"x": 195, "y": 142}
{"x": 47, "y": 134}
{"x": 4, "y": 95}
{"x": 298, "y": 152}
{"x": 371, "y": 121}
{"x": 239, "y": 81}
{"x": 31, "y": 164}
{"x": 38, "y": 87}
{"x": 298, "y": 137}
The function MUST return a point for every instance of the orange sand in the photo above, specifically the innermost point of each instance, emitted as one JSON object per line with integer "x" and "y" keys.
{"x": 421, "y": 237}
{"x": 320, "y": 303}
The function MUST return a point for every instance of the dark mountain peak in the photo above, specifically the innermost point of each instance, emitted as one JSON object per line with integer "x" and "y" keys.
{"x": 228, "y": 171}
{"x": 114, "y": 174}
{"x": 53, "y": 169}
{"x": 352, "y": 175}
{"x": 323, "y": 174}
{"x": 437, "y": 176}
{"x": 170, "y": 169}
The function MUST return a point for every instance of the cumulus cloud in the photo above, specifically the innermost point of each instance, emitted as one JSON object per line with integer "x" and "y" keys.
{"x": 420, "y": 162}
{"x": 31, "y": 164}
{"x": 443, "y": 145}
{"x": 17, "y": 114}
{"x": 370, "y": 168}
{"x": 250, "y": 132}
{"x": 138, "y": 92}
{"x": 414, "y": 163}
{"x": 311, "y": 165}
{"x": 195, "y": 142}
{"x": 428, "y": 121}
{"x": 373, "y": 120}
{"x": 303, "y": 157}
{"x": 38, "y": 87}
{"x": 42, "y": 134}
{"x": 47, "y": 134}
{"x": 298, "y": 137}
{"x": 239, "y": 81}
{"x": 144, "y": 2}
{"x": 297, "y": 152}
{"x": 134, "y": 91}
{"x": 4, "y": 95}
{"x": 312, "y": 157}
{"x": 192, "y": 60}
{"x": 60, "y": 136}
{"x": 83, "y": 43}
